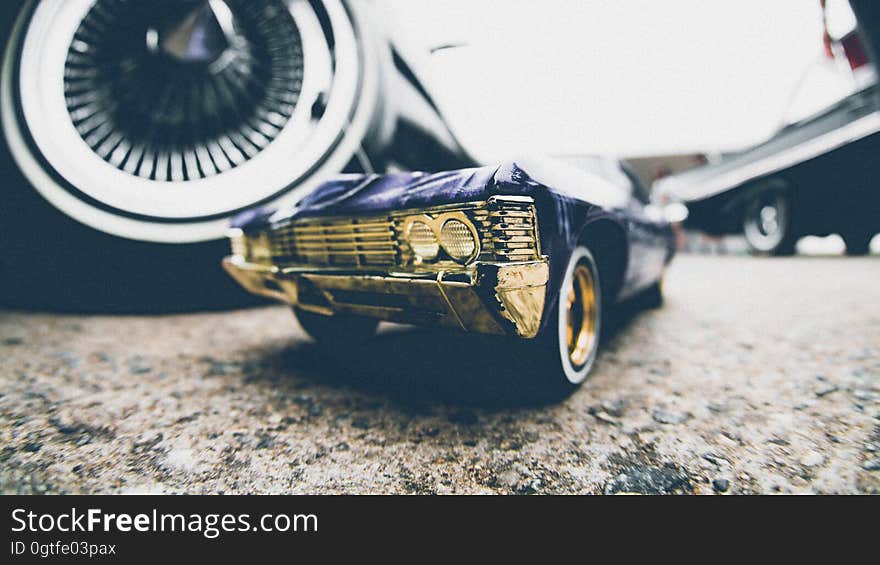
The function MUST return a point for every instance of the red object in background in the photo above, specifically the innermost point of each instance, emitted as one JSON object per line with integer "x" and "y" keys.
{"x": 854, "y": 50}
{"x": 851, "y": 43}
{"x": 826, "y": 37}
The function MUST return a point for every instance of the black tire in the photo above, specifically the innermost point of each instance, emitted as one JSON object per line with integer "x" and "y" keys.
{"x": 768, "y": 223}
{"x": 858, "y": 242}
{"x": 337, "y": 332}
{"x": 562, "y": 363}
{"x": 50, "y": 262}
{"x": 653, "y": 296}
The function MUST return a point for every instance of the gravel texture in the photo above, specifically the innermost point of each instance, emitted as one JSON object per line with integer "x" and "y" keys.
{"x": 758, "y": 376}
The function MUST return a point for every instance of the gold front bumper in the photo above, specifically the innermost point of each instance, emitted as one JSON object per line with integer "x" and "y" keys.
{"x": 491, "y": 298}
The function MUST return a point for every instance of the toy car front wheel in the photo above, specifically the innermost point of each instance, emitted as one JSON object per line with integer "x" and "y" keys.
{"x": 579, "y": 316}
{"x": 339, "y": 330}
{"x": 571, "y": 340}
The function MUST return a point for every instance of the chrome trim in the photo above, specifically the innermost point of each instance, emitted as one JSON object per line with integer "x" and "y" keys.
{"x": 492, "y": 298}
{"x": 449, "y": 302}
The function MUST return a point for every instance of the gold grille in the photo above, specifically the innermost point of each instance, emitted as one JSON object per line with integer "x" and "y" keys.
{"x": 507, "y": 228}
{"x": 509, "y": 231}
{"x": 353, "y": 242}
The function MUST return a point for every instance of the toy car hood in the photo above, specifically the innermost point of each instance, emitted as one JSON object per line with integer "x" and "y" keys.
{"x": 366, "y": 194}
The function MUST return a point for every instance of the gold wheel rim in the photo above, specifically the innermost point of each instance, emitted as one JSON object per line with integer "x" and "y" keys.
{"x": 581, "y": 316}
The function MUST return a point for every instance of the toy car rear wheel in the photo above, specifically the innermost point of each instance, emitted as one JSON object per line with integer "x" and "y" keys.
{"x": 768, "y": 225}
{"x": 336, "y": 331}
{"x": 653, "y": 296}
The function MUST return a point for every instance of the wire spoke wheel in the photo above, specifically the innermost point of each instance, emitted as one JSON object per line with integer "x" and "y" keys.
{"x": 195, "y": 91}
{"x": 159, "y": 120}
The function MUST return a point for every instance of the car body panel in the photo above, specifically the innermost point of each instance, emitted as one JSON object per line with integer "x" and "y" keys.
{"x": 854, "y": 118}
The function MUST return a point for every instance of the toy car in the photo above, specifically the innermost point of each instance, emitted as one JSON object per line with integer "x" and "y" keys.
{"x": 530, "y": 249}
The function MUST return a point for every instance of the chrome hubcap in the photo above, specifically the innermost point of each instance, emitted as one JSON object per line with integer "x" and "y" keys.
{"x": 182, "y": 90}
{"x": 201, "y": 34}
{"x": 158, "y": 120}
{"x": 768, "y": 220}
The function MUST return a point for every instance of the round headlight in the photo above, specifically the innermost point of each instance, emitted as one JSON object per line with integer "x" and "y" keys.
{"x": 458, "y": 240}
{"x": 423, "y": 241}
{"x": 237, "y": 242}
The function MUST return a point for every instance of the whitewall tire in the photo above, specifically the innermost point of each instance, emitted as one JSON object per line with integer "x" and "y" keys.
{"x": 578, "y": 317}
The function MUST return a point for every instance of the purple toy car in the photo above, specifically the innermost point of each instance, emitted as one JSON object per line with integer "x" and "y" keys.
{"x": 534, "y": 249}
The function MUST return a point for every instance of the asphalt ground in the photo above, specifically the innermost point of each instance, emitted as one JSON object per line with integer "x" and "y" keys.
{"x": 757, "y": 376}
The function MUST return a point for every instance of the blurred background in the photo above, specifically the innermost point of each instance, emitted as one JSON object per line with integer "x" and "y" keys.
{"x": 669, "y": 85}
{"x": 635, "y": 78}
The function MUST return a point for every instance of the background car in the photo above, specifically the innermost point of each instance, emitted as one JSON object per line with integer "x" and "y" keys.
{"x": 534, "y": 248}
{"x": 815, "y": 176}
{"x": 134, "y": 131}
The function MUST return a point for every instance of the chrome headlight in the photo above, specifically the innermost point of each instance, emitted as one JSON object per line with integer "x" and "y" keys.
{"x": 259, "y": 248}
{"x": 253, "y": 248}
{"x": 452, "y": 232}
{"x": 422, "y": 240}
{"x": 459, "y": 240}
{"x": 236, "y": 242}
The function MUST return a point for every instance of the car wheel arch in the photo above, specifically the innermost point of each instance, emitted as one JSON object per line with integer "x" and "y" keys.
{"x": 607, "y": 241}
